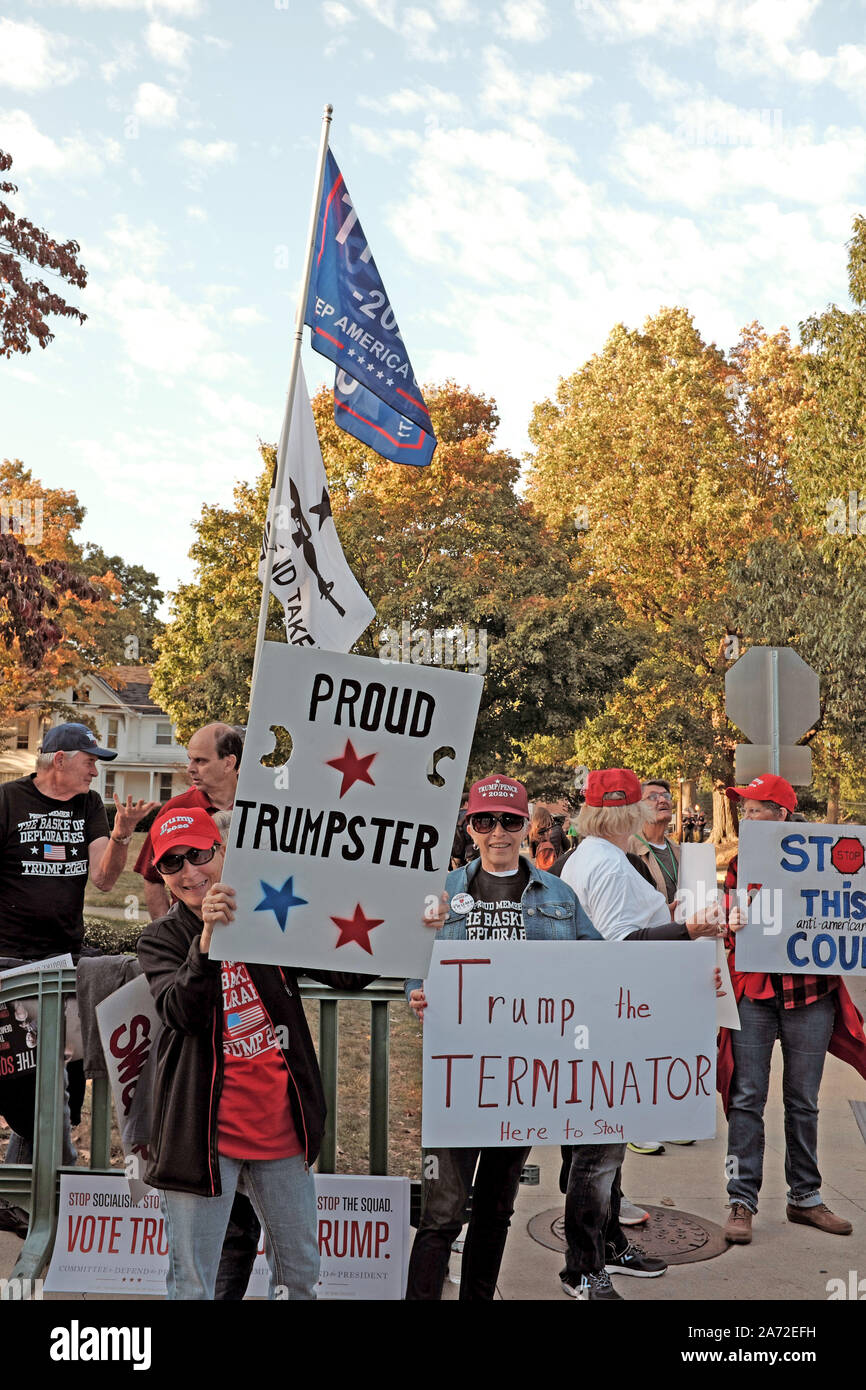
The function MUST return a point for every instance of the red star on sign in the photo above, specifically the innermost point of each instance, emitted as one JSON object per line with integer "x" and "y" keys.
{"x": 357, "y": 928}
{"x": 353, "y": 768}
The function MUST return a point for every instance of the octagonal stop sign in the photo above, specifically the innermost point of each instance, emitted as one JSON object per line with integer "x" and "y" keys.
{"x": 847, "y": 855}
{"x": 772, "y": 695}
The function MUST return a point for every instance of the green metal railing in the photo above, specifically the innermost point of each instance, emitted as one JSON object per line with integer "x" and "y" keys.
{"x": 36, "y": 1186}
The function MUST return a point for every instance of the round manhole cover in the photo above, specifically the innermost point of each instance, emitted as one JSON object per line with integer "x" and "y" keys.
{"x": 677, "y": 1237}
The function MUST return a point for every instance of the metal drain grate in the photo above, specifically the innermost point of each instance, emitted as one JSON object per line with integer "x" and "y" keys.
{"x": 675, "y": 1236}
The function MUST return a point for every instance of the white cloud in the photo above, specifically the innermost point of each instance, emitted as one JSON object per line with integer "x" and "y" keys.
{"x": 186, "y": 8}
{"x": 457, "y": 11}
{"x": 420, "y": 98}
{"x": 30, "y": 57}
{"x": 196, "y": 213}
{"x": 533, "y": 95}
{"x": 161, "y": 332}
{"x": 73, "y": 155}
{"x": 216, "y": 42}
{"x": 337, "y": 16}
{"x": 207, "y": 156}
{"x": 125, "y": 59}
{"x": 167, "y": 44}
{"x": 155, "y": 105}
{"x": 245, "y": 314}
{"x": 525, "y": 20}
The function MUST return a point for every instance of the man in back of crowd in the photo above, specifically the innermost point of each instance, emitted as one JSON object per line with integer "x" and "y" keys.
{"x": 214, "y": 754}
{"x": 495, "y": 897}
{"x": 652, "y": 846}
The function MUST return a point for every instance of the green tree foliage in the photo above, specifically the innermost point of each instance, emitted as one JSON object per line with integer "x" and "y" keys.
{"x": 135, "y": 614}
{"x": 806, "y": 589}
{"x": 449, "y": 546}
{"x": 669, "y": 459}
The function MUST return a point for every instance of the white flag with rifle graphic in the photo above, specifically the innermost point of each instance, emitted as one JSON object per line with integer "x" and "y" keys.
{"x": 324, "y": 604}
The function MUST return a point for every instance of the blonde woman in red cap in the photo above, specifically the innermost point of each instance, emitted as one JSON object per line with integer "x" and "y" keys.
{"x": 808, "y": 1014}
{"x": 622, "y": 905}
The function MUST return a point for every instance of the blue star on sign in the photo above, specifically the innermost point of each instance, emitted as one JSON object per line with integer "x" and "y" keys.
{"x": 279, "y": 900}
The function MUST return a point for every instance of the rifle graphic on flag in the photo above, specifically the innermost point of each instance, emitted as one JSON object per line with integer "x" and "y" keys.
{"x": 376, "y": 396}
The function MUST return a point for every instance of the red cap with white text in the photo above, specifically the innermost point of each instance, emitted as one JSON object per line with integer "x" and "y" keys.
{"x": 766, "y": 788}
{"x": 498, "y": 794}
{"x": 188, "y": 825}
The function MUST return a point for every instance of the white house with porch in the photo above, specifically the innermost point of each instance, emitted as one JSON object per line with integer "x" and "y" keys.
{"x": 150, "y": 763}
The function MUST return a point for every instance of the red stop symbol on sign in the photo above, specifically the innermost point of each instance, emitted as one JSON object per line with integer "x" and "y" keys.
{"x": 847, "y": 855}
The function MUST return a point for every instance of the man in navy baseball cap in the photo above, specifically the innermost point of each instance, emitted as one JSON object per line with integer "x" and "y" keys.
{"x": 74, "y": 738}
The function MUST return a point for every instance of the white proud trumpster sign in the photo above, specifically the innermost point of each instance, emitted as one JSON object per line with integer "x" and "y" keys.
{"x": 562, "y": 1042}
{"x": 334, "y": 854}
{"x": 806, "y": 890}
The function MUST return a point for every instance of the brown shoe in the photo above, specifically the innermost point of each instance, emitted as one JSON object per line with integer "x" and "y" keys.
{"x": 822, "y": 1218}
{"x": 738, "y": 1227}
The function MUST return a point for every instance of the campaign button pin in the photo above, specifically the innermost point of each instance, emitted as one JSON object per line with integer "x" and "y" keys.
{"x": 462, "y": 903}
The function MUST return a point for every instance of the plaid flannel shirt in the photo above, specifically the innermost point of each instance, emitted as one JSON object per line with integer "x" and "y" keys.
{"x": 793, "y": 990}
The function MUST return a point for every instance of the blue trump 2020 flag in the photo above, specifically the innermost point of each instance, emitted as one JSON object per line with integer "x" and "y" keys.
{"x": 353, "y": 324}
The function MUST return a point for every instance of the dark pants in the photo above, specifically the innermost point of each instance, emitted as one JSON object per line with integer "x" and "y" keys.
{"x": 445, "y": 1195}
{"x": 592, "y": 1207}
{"x": 239, "y": 1252}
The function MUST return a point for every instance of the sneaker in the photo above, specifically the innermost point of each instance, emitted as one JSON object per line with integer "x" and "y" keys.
{"x": 633, "y": 1260}
{"x": 820, "y": 1217}
{"x": 683, "y": 1143}
{"x": 738, "y": 1227}
{"x": 647, "y": 1146}
{"x": 630, "y": 1215}
{"x": 592, "y": 1288}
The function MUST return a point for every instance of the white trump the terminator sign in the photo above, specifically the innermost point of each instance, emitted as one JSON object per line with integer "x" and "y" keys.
{"x": 334, "y": 852}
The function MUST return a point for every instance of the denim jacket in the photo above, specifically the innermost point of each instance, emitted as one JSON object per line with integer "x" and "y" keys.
{"x": 551, "y": 911}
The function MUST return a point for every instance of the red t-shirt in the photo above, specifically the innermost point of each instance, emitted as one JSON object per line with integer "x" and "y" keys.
{"x": 144, "y": 863}
{"x": 254, "y": 1118}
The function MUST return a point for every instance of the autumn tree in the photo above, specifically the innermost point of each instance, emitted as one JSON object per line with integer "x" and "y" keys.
{"x": 25, "y": 303}
{"x": 52, "y": 616}
{"x": 451, "y": 547}
{"x": 668, "y": 459}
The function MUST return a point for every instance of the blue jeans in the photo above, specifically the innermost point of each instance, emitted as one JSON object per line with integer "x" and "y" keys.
{"x": 283, "y": 1194}
{"x": 592, "y": 1201}
{"x": 445, "y": 1196}
{"x": 804, "y": 1034}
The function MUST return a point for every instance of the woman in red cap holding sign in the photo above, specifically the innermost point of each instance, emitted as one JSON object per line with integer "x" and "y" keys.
{"x": 808, "y": 1014}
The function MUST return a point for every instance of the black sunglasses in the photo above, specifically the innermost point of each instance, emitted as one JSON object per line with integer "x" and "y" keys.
{"x": 173, "y": 863}
{"x": 484, "y": 821}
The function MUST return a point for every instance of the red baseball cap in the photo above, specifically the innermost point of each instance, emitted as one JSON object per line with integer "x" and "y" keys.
{"x": 498, "y": 794}
{"x": 766, "y": 788}
{"x": 188, "y": 825}
{"x": 612, "y": 786}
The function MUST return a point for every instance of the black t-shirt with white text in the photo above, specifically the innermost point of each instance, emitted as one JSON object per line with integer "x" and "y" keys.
{"x": 43, "y": 868}
{"x": 497, "y": 913}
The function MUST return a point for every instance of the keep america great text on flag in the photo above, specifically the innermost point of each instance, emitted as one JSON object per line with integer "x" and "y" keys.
{"x": 353, "y": 324}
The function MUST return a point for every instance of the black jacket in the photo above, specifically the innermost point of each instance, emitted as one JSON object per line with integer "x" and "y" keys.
{"x": 186, "y": 987}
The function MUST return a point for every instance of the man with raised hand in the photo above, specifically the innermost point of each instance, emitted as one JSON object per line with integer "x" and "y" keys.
{"x": 214, "y": 759}
{"x": 499, "y": 896}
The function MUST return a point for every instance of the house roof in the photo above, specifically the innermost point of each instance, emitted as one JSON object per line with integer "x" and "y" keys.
{"x": 131, "y": 685}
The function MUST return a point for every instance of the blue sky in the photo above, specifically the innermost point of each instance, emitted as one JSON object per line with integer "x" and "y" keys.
{"x": 527, "y": 173}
